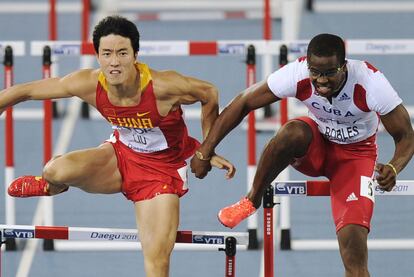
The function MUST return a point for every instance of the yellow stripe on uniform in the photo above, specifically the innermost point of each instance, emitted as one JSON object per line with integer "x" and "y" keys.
{"x": 145, "y": 76}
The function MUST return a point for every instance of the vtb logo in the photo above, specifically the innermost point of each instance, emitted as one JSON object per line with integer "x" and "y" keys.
{"x": 15, "y": 233}
{"x": 205, "y": 239}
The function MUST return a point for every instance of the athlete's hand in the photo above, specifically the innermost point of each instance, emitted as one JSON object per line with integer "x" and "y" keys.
{"x": 386, "y": 176}
{"x": 200, "y": 168}
{"x": 222, "y": 163}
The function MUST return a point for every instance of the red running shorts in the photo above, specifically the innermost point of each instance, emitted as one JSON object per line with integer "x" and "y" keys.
{"x": 349, "y": 167}
{"x": 143, "y": 179}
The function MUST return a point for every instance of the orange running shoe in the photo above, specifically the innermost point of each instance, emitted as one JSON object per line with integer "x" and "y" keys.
{"x": 28, "y": 186}
{"x": 232, "y": 215}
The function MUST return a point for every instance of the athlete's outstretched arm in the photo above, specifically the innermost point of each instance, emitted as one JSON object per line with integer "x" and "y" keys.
{"x": 74, "y": 84}
{"x": 256, "y": 96}
{"x": 398, "y": 125}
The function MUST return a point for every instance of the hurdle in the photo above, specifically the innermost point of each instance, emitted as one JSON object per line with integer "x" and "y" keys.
{"x": 148, "y": 10}
{"x": 265, "y": 48}
{"x": 228, "y": 242}
{"x": 9, "y": 118}
{"x": 9, "y": 49}
{"x": 322, "y": 188}
{"x": 19, "y": 50}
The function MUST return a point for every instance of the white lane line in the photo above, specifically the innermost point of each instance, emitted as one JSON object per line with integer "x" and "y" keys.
{"x": 30, "y": 248}
{"x": 45, "y": 203}
{"x": 68, "y": 125}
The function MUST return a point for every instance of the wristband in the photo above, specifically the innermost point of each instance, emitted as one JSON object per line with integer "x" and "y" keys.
{"x": 201, "y": 157}
{"x": 393, "y": 168}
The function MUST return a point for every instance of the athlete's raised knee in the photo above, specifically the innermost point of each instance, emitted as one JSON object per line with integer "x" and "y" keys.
{"x": 54, "y": 172}
{"x": 297, "y": 135}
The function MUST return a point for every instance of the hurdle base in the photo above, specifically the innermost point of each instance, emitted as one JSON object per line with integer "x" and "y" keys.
{"x": 10, "y": 244}
{"x": 309, "y": 5}
{"x": 253, "y": 240}
{"x": 48, "y": 245}
{"x": 56, "y": 112}
{"x": 285, "y": 239}
{"x": 85, "y": 110}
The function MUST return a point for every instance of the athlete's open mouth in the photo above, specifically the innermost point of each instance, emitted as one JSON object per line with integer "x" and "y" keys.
{"x": 323, "y": 89}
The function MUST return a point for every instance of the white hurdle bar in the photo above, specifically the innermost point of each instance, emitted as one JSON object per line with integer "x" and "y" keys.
{"x": 231, "y": 47}
{"x": 363, "y": 6}
{"x": 159, "y": 10}
{"x": 18, "y": 47}
{"x": 322, "y": 188}
{"x": 265, "y": 48}
{"x": 113, "y": 239}
{"x": 211, "y": 48}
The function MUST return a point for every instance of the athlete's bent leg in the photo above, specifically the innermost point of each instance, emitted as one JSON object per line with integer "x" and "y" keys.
{"x": 93, "y": 170}
{"x": 157, "y": 221}
{"x": 354, "y": 251}
{"x": 292, "y": 141}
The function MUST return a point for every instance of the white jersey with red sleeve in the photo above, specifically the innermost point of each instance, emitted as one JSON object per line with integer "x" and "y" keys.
{"x": 353, "y": 115}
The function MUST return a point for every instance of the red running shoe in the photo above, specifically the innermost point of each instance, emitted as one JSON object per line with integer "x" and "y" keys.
{"x": 28, "y": 186}
{"x": 232, "y": 215}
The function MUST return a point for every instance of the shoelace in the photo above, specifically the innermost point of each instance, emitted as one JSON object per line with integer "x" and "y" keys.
{"x": 243, "y": 205}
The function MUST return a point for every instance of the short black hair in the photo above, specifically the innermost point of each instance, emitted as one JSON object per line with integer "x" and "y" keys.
{"x": 326, "y": 45}
{"x": 116, "y": 25}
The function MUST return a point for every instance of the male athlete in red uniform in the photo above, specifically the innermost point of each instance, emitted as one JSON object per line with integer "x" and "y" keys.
{"x": 145, "y": 157}
{"x": 346, "y": 100}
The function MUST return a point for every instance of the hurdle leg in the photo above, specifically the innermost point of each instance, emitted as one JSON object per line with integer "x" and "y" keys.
{"x": 1, "y": 245}
{"x": 47, "y": 138}
{"x": 9, "y": 147}
{"x": 251, "y": 145}
{"x": 268, "y": 246}
{"x": 230, "y": 250}
{"x": 10, "y": 208}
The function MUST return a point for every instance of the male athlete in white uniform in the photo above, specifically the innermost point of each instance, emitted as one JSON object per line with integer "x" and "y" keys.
{"x": 352, "y": 115}
{"x": 346, "y": 100}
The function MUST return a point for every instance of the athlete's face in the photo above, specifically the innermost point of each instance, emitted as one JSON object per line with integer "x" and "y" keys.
{"x": 116, "y": 58}
{"x": 327, "y": 74}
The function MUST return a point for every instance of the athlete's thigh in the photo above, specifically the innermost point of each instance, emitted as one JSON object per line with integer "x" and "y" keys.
{"x": 94, "y": 170}
{"x": 312, "y": 162}
{"x": 352, "y": 199}
{"x": 157, "y": 221}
